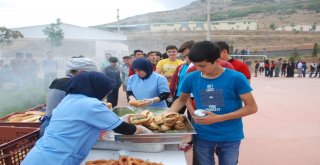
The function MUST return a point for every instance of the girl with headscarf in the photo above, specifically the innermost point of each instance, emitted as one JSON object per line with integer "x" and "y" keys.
{"x": 147, "y": 85}
{"x": 77, "y": 122}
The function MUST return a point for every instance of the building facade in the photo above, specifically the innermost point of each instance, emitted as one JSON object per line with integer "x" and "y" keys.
{"x": 185, "y": 26}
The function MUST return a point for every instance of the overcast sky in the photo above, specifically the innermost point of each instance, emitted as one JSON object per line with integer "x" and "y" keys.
{"x": 20, "y": 13}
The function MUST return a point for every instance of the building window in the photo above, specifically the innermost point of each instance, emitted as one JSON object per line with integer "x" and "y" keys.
{"x": 184, "y": 25}
{"x": 199, "y": 25}
{"x": 215, "y": 23}
{"x": 231, "y": 23}
{"x": 170, "y": 24}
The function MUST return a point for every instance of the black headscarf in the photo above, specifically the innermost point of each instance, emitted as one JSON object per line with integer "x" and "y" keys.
{"x": 143, "y": 64}
{"x": 91, "y": 84}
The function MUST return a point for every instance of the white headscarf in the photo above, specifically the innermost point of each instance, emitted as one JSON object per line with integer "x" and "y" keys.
{"x": 85, "y": 64}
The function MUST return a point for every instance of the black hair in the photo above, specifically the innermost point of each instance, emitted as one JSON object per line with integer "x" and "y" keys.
{"x": 171, "y": 47}
{"x": 164, "y": 55}
{"x": 80, "y": 56}
{"x": 126, "y": 57}
{"x": 186, "y": 45}
{"x": 150, "y": 53}
{"x": 136, "y": 51}
{"x": 158, "y": 53}
{"x": 223, "y": 46}
{"x": 113, "y": 59}
{"x": 204, "y": 51}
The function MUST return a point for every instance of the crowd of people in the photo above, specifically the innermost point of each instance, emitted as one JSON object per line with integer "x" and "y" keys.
{"x": 203, "y": 77}
{"x": 283, "y": 68}
{"x": 23, "y": 70}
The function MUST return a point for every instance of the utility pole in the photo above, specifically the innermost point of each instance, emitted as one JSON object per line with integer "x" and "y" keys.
{"x": 118, "y": 19}
{"x": 208, "y": 21}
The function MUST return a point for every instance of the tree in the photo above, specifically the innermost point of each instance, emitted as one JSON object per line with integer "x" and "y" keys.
{"x": 315, "y": 50}
{"x": 6, "y": 36}
{"x": 273, "y": 26}
{"x": 54, "y": 33}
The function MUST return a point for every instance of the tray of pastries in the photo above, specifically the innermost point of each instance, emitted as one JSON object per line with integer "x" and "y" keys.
{"x": 123, "y": 160}
{"x": 167, "y": 127}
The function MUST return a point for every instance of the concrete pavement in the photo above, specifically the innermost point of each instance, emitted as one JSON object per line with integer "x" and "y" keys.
{"x": 286, "y": 128}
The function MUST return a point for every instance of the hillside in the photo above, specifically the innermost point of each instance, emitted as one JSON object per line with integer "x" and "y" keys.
{"x": 256, "y": 41}
{"x": 265, "y": 12}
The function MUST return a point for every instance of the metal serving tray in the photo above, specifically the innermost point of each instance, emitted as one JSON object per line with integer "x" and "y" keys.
{"x": 158, "y": 137}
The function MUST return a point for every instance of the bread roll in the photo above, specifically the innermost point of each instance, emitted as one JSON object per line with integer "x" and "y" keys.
{"x": 138, "y": 119}
{"x": 34, "y": 113}
{"x": 158, "y": 119}
{"x": 32, "y": 118}
{"x": 164, "y": 127}
{"x": 17, "y": 116}
{"x": 109, "y": 105}
{"x": 135, "y": 103}
{"x": 153, "y": 126}
{"x": 170, "y": 118}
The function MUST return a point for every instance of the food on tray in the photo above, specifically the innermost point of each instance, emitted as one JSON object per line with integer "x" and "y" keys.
{"x": 163, "y": 122}
{"x": 164, "y": 127}
{"x": 103, "y": 162}
{"x": 29, "y": 116}
{"x": 138, "y": 119}
{"x": 153, "y": 126}
{"x": 158, "y": 119}
{"x": 34, "y": 113}
{"x": 123, "y": 160}
{"x": 170, "y": 118}
{"x": 135, "y": 103}
{"x": 180, "y": 123}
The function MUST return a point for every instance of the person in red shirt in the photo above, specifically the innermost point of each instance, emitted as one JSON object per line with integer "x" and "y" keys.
{"x": 237, "y": 64}
{"x": 152, "y": 57}
{"x": 137, "y": 54}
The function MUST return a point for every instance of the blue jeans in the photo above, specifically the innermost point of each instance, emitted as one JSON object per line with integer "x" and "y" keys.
{"x": 203, "y": 152}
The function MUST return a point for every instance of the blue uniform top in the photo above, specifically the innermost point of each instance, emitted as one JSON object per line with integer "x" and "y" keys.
{"x": 74, "y": 128}
{"x": 220, "y": 95}
{"x": 148, "y": 88}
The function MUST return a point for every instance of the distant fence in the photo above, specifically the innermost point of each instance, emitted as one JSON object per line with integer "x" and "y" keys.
{"x": 286, "y": 52}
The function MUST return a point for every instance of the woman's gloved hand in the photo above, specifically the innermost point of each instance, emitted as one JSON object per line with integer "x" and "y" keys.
{"x": 146, "y": 102}
{"x": 125, "y": 118}
{"x": 142, "y": 130}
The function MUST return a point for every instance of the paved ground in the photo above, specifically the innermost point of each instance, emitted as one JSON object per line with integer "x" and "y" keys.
{"x": 286, "y": 129}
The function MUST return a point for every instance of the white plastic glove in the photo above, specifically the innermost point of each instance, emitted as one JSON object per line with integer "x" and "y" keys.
{"x": 125, "y": 118}
{"x": 143, "y": 130}
{"x": 147, "y": 102}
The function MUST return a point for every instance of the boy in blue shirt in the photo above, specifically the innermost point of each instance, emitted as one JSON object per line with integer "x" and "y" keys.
{"x": 221, "y": 92}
